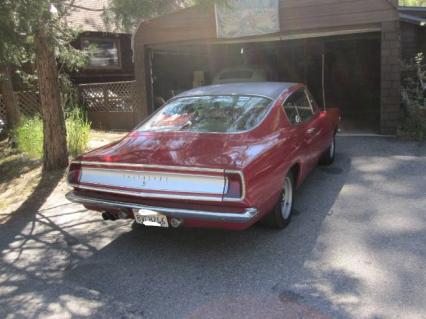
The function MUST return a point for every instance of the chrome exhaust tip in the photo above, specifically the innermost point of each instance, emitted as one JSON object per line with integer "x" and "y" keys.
{"x": 176, "y": 222}
{"x": 108, "y": 216}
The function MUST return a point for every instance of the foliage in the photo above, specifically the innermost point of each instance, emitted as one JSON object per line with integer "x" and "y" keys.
{"x": 78, "y": 129}
{"x": 29, "y": 135}
{"x": 413, "y": 124}
{"x": 412, "y": 3}
{"x": 20, "y": 20}
{"x": 125, "y": 14}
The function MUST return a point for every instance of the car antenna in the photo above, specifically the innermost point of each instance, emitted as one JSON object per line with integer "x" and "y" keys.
{"x": 323, "y": 78}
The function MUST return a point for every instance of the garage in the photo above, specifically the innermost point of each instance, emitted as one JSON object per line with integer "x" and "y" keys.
{"x": 346, "y": 52}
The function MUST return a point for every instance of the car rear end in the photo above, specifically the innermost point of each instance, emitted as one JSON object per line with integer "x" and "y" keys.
{"x": 184, "y": 165}
{"x": 162, "y": 196}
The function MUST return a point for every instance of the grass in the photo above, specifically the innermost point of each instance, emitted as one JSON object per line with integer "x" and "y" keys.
{"x": 78, "y": 129}
{"x": 29, "y": 135}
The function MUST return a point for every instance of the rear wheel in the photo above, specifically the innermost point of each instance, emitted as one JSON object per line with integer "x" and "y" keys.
{"x": 328, "y": 157}
{"x": 281, "y": 215}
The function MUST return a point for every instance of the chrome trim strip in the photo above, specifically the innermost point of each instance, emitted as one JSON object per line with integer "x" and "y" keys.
{"x": 243, "y": 186}
{"x": 159, "y": 172}
{"x": 177, "y": 168}
{"x": 243, "y": 217}
{"x": 150, "y": 195}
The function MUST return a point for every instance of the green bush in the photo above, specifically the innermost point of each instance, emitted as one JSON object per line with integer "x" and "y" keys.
{"x": 78, "y": 129}
{"x": 29, "y": 134}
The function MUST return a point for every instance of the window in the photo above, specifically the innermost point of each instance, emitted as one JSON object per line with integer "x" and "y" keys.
{"x": 102, "y": 53}
{"x": 216, "y": 114}
{"x": 298, "y": 108}
{"x": 314, "y": 103}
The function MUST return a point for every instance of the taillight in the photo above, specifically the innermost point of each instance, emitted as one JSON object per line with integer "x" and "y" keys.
{"x": 74, "y": 173}
{"x": 235, "y": 186}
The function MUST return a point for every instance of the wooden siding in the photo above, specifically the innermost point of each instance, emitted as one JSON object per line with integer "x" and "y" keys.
{"x": 295, "y": 15}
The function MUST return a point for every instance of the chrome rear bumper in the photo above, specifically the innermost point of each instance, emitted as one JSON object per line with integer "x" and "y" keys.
{"x": 243, "y": 217}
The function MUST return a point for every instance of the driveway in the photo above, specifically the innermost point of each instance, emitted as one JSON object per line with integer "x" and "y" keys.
{"x": 356, "y": 249}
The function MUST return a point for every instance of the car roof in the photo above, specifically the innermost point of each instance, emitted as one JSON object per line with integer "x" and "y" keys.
{"x": 270, "y": 90}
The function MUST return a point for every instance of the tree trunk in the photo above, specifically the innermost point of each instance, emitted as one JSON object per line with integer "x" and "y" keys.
{"x": 55, "y": 153}
{"x": 12, "y": 115}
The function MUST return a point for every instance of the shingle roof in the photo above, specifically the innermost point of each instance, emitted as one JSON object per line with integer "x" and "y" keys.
{"x": 89, "y": 20}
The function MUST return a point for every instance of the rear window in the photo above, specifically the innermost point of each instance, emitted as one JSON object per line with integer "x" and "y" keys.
{"x": 216, "y": 114}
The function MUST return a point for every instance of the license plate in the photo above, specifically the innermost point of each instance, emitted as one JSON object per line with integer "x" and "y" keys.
{"x": 151, "y": 218}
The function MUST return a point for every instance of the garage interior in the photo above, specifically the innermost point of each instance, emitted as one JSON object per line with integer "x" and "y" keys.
{"x": 351, "y": 65}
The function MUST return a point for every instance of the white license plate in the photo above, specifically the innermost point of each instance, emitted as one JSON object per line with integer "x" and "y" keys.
{"x": 150, "y": 218}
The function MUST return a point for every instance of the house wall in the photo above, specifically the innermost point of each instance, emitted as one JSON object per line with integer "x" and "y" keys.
{"x": 413, "y": 40}
{"x": 297, "y": 18}
{"x": 409, "y": 40}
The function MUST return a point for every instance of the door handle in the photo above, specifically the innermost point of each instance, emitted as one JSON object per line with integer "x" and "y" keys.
{"x": 311, "y": 131}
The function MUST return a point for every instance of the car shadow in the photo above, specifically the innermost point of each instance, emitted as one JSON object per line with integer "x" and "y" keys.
{"x": 156, "y": 268}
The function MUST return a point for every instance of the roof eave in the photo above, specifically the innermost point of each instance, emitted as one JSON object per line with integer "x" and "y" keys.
{"x": 412, "y": 19}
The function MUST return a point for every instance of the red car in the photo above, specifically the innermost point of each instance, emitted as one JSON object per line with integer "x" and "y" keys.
{"x": 221, "y": 156}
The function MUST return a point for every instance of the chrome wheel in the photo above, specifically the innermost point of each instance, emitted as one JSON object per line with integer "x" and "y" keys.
{"x": 287, "y": 198}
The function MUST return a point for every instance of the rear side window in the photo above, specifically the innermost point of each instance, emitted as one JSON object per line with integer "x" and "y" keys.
{"x": 298, "y": 108}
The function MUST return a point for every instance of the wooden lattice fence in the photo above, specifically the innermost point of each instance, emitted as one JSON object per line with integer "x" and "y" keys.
{"x": 108, "y": 97}
{"x": 109, "y": 105}
{"x": 27, "y": 102}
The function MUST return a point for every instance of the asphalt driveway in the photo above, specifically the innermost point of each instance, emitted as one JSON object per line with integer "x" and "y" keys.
{"x": 356, "y": 249}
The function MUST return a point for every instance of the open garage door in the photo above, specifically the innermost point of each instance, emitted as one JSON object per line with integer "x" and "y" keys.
{"x": 351, "y": 64}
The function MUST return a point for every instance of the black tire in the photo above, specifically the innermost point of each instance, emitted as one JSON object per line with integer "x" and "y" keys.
{"x": 328, "y": 157}
{"x": 279, "y": 218}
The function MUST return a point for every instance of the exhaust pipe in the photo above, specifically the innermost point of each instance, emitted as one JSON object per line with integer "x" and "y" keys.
{"x": 176, "y": 222}
{"x": 120, "y": 215}
{"x": 108, "y": 216}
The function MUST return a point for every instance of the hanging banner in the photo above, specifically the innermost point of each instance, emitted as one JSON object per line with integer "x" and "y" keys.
{"x": 244, "y": 18}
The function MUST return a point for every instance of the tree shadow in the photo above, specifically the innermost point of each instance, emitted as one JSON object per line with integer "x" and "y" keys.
{"x": 26, "y": 213}
{"x": 16, "y": 166}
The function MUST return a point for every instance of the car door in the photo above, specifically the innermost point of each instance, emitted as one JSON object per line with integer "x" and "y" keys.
{"x": 322, "y": 133}
{"x": 304, "y": 119}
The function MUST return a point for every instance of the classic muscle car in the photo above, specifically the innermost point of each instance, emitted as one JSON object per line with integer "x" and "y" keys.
{"x": 221, "y": 156}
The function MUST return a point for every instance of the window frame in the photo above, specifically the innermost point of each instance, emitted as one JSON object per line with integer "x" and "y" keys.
{"x": 117, "y": 42}
{"x": 305, "y": 90}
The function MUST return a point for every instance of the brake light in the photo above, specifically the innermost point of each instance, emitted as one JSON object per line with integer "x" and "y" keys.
{"x": 235, "y": 186}
{"x": 74, "y": 171}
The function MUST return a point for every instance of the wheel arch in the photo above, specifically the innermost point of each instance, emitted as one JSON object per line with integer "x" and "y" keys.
{"x": 295, "y": 170}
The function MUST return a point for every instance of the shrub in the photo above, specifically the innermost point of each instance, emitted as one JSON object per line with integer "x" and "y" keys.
{"x": 29, "y": 134}
{"x": 78, "y": 129}
{"x": 413, "y": 120}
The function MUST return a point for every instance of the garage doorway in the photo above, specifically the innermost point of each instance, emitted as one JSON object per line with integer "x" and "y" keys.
{"x": 351, "y": 65}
